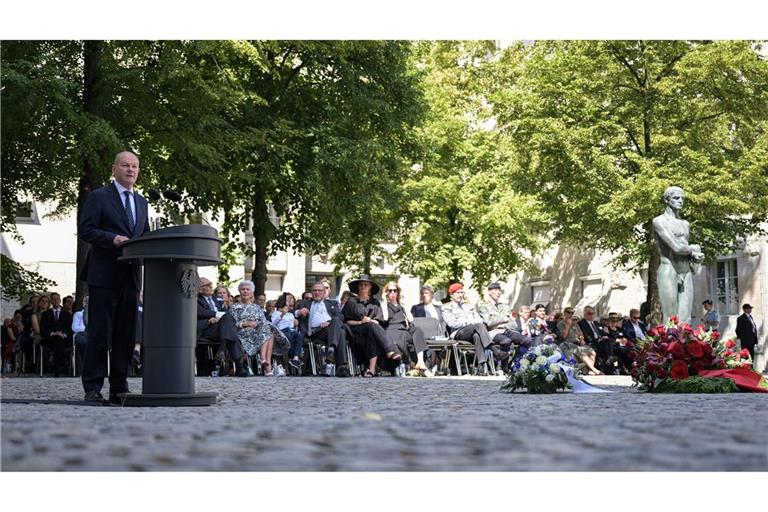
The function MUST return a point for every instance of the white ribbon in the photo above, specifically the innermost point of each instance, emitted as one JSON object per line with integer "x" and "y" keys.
{"x": 578, "y": 385}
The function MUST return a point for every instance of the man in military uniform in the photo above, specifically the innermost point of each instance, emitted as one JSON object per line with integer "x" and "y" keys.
{"x": 497, "y": 316}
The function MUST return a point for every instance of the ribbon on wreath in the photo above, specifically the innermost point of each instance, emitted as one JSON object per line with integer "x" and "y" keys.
{"x": 578, "y": 385}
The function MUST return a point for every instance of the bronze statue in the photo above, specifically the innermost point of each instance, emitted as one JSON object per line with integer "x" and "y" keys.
{"x": 674, "y": 276}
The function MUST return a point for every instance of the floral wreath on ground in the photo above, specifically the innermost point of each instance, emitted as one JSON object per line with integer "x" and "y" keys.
{"x": 675, "y": 358}
{"x": 541, "y": 369}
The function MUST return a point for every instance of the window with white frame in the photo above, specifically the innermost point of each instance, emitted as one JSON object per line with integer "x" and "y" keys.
{"x": 26, "y": 213}
{"x": 725, "y": 287}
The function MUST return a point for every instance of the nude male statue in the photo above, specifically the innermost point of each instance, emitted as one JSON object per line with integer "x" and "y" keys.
{"x": 674, "y": 276}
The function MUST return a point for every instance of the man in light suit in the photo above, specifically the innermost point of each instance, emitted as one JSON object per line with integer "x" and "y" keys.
{"x": 746, "y": 330}
{"x": 111, "y": 216}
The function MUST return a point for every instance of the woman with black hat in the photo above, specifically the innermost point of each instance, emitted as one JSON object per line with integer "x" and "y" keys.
{"x": 363, "y": 315}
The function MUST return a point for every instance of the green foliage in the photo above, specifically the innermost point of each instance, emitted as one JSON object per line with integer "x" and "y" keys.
{"x": 462, "y": 210}
{"x": 17, "y": 281}
{"x": 601, "y": 128}
{"x": 697, "y": 384}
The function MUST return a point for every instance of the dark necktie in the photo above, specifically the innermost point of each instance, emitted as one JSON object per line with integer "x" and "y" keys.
{"x": 129, "y": 210}
{"x": 56, "y": 314}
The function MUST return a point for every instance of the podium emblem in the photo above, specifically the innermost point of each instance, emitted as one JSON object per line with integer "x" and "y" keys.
{"x": 190, "y": 283}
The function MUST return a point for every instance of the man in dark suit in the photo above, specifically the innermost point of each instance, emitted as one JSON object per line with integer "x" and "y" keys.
{"x": 634, "y": 328}
{"x": 427, "y": 309}
{"x": 746, "y": 330}
{"x": 216, "y": 327}
{"x": 595, "y": 337}
{"x": 56, "y": 332}
{"x": 320, "y": 320}
{"x": 111, "y": 216}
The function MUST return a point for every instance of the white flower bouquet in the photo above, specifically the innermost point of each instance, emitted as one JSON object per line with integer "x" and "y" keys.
{"x": 542, "y": 369}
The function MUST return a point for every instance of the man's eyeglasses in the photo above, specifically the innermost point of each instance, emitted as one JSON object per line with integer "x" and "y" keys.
{"x": 635, "y": 318}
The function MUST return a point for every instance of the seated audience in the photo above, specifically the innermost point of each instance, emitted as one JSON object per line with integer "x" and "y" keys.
{"x": 256, "y": 334}
{"x": 222, "y": 292}
{"x": 363, "y": 315}
{"x": 539, "y": 327}
{"x": 56, "y": 332}
{"x": 427, "y": 308}
{"x": 283, "y": 319}
{"x": 320, "y": 320}
{"x": 621, "y": 348}
{"x": 573, "y": 344}
{"x": 408, "y": 338}
{"x": 466, "y": 325}
{"x": 79, "y": 326}
{"x": 633, "y": 328}
{"x": 215, "y": 324}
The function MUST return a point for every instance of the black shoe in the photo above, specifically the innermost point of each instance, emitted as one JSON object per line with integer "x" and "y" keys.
{"x": 136, "y": 358}
{"x": 296, "y": 364}
{"x": 240, "y": 371}
{"x": 117, "y": 399}
{"x": 343, "y": 371}
{"x": 95, "y": 397}
{"x": 330, "y": 355}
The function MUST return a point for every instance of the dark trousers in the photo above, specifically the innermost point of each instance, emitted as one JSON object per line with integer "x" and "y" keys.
{"x": 111, "y": 326}
{"x": 60, "y": 347}
{"x": 370, "y": 340}
{"x": 297, "y": 342}
{"x": 225, "y": 332}
{"x": 333, "y": 336}
{"x": 408, "y": 339}
{"x": 479, "y": 334}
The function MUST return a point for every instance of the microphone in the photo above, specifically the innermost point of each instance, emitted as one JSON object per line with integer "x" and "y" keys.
{"x": 172, "y": 195}
{"x": 153, "y": 194}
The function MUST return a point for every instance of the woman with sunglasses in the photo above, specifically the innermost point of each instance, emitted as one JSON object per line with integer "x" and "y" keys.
{"x": 400, "y": 329}
{"x": 363, "y": 315}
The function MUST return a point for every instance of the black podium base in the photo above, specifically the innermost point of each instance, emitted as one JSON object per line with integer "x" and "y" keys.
{"x": 169, "y": 400}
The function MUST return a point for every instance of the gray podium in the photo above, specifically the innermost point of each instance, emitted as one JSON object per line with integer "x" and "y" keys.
{"x": 171, "y": 257}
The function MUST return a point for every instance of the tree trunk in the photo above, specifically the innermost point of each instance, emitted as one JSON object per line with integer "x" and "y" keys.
{"x": 367, "y": 258}
{"x": 93, "y": 103}
{"x": 263, "y": 232}
{"x": 652, "y": 295}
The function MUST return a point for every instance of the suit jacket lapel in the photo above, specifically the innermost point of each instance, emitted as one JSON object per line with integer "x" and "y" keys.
{"x": 141, "y": 215}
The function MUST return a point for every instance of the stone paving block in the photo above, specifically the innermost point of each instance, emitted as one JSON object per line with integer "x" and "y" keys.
{"x": 384, "y": 424}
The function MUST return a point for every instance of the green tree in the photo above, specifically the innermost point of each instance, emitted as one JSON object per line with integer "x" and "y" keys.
{"x": 335, "y": 121}
{"x": 69, "y": 106}
{"x": 600, "y": 128}
{"x": 462, "y": 209}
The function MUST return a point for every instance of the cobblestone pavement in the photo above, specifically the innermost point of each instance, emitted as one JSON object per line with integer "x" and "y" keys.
{"x": 384, "y": 424}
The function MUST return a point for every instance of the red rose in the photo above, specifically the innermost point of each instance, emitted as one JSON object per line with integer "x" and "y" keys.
{"x": 707, "y": 349}
{"x": 730, "y": 344}
{"x": 687, "y": 329}
{"x": 661, "y": 373}
{"x": 715, "y": 335}
{"x": 676, "y": 349}
{"x": 679, "y": 370}
{"x": 697, "y": 366}
{"x": 674, "y": 319}
{"x": 695, "y": 349}
{"x": 748, "y": 366}
{"x": 727, "y": 353}
{"x": 744, "y": 352}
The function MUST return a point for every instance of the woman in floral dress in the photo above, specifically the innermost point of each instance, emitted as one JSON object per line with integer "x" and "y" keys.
{"x": 256, "y": 333}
